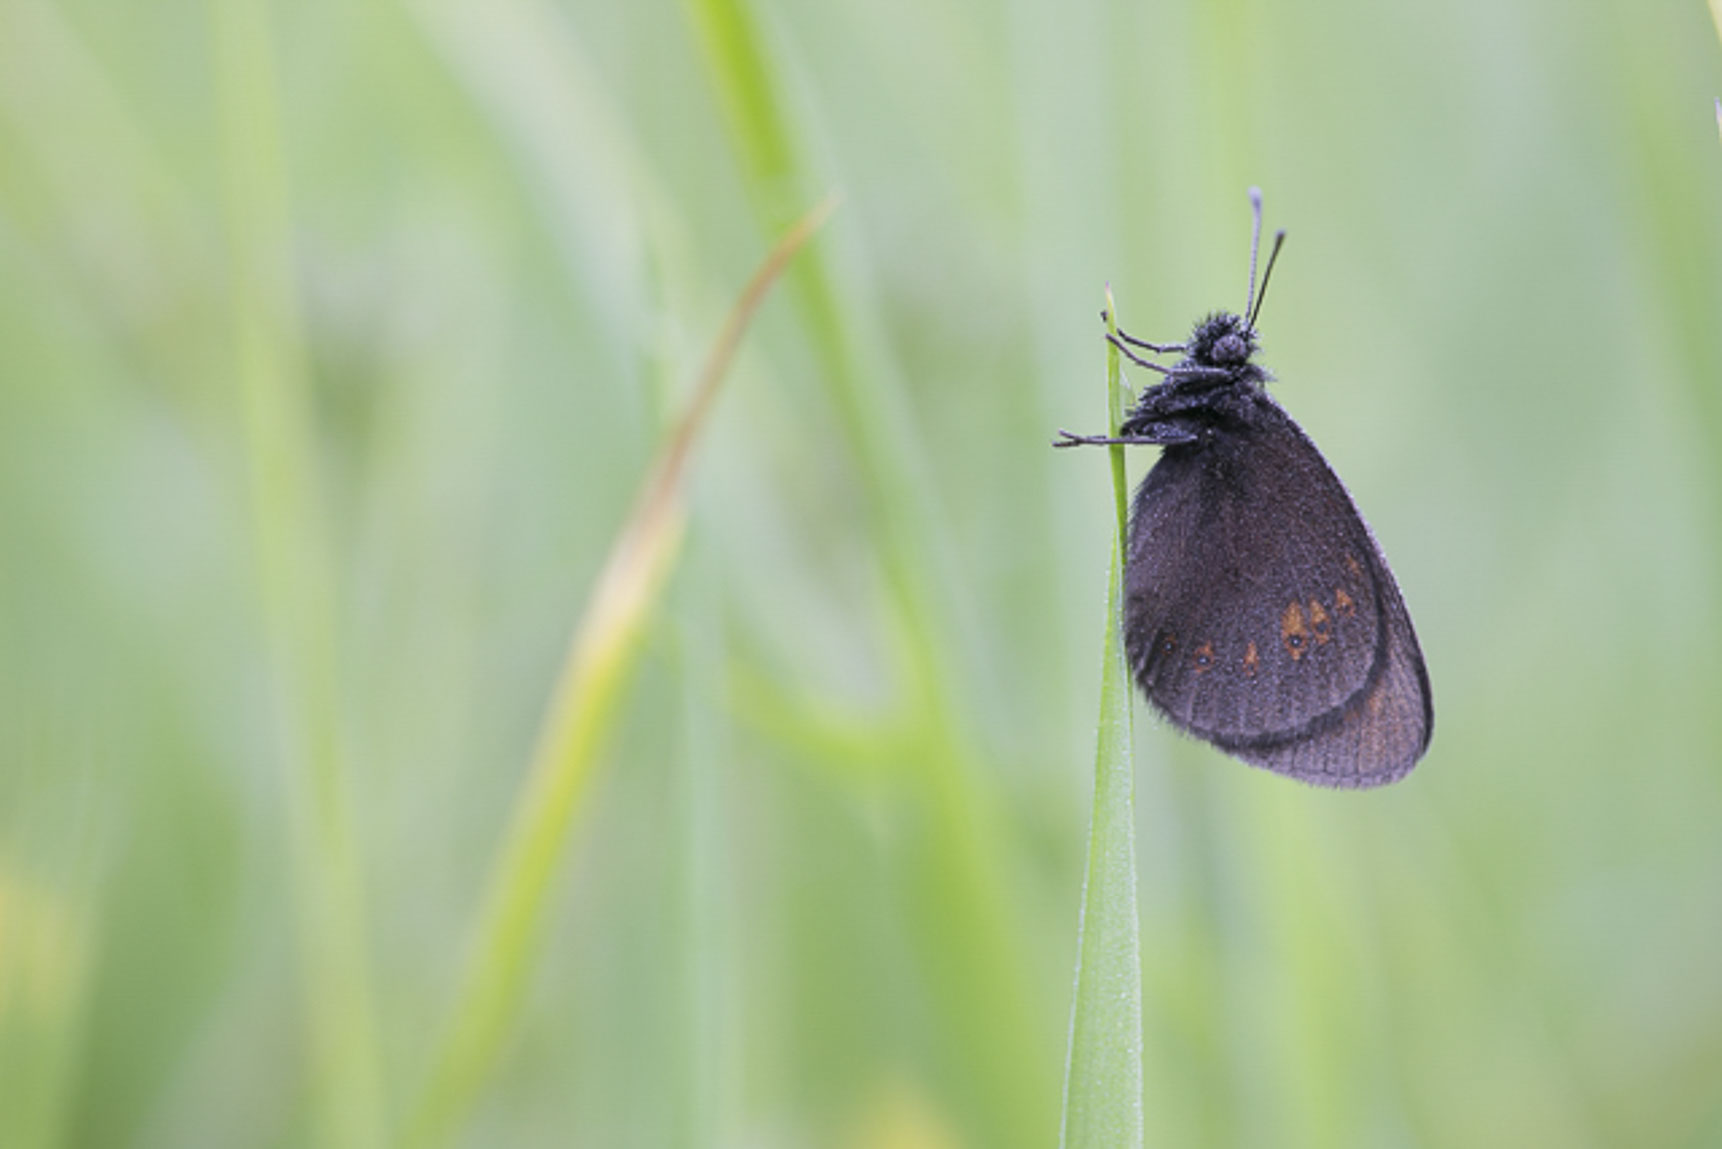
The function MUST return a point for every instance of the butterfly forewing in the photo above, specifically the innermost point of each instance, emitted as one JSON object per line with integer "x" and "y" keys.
{"x": 1261, "y": 617}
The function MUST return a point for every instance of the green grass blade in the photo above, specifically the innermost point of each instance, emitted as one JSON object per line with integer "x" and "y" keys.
{"x": 295, "y": 569}
{"x": 1103, "y": 1075}
{"x": 706, "y": 1080}
{"x": 45, "y": 952}
{"x": 594, "y": 676}
{"x": 968, "y": 939}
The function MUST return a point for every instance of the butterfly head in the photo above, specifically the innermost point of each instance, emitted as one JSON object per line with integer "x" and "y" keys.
{"x": 1221, "y": 340}
{"x": 1218, "y": 354}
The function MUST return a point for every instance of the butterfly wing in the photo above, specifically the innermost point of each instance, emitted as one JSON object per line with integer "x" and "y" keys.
{"x": 1261, "y": 616}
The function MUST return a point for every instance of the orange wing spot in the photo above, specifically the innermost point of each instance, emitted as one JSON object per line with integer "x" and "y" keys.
{"x": 1342, "y": 604}
{"x": 1252, "y": 660}
{"x": 1292, "y": 631}
{"x": 1204, "y": 657}
{"x": 1319, "y": 623}
{"x": 1351, "y": 565}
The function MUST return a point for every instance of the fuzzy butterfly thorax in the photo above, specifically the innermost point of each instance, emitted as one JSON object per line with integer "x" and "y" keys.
{"x": 1211, "y": 389}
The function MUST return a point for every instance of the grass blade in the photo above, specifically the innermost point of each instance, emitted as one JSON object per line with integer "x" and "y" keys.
{"x": 295, "y": 568}
{"x": 967, "y": 936}
{"x": 1103, "y": 1075}
{"x": 591, "y": 684}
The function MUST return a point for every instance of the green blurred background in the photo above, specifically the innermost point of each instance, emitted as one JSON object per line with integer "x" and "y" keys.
{"x": 336, "y": 337}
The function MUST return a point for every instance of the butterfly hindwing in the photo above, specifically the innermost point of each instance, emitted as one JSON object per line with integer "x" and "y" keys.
{"x": 1260, "y": 615}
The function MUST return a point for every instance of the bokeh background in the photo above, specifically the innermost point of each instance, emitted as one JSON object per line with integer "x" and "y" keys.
{"x": 335, "y": 339}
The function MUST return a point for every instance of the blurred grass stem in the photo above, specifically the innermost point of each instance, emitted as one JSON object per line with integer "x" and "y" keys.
{"x": 294, "y": 566}
{"x": 972, "y": 948}
{"x": 589, "y": 688}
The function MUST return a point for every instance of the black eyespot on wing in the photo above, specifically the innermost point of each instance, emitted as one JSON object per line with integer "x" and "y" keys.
{"x": 1249, "y": 551}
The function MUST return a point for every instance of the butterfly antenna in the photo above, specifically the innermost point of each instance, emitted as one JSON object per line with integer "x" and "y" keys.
{"x": 1279, "y": 241}
{"x": 1255, "y": 246}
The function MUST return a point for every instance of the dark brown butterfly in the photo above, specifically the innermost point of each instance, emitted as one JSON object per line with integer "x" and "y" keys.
{"x": 1259, "y": 613}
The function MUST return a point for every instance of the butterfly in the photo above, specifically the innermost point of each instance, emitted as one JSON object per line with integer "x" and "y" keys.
{"x": 1259, "y": 612}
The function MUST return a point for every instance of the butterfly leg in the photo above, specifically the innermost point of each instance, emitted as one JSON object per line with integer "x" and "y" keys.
{"x": 1164, "y": 435}
{"x": 1157, "y": 348}
{"x": 1066, "y": 439}
{"x": 1133, "y": 357}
